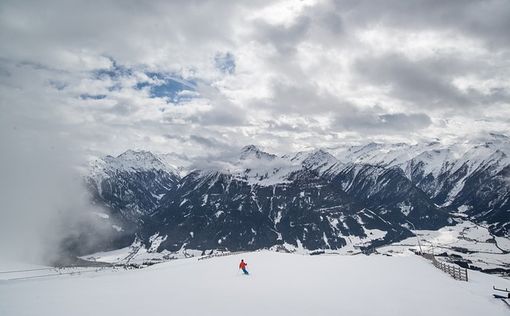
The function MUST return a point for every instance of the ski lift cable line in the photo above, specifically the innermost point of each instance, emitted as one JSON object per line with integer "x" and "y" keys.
{"x": 50, "y": 275}
{"x": 28, "y": 270}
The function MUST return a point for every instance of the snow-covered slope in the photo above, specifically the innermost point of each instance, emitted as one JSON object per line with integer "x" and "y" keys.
{"x": 492, "y": 149}
{"x": 261, "y": 168}
{"x": 279, "y": 284}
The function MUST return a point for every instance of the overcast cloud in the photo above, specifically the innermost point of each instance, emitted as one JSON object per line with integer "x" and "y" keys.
{"x": 201, "y": 77}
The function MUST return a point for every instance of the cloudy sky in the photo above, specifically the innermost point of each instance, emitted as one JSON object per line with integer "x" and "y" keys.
{"x": 195, "y": 77}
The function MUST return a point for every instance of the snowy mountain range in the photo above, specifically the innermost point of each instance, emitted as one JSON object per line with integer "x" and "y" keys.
{"x": 352, "y": 196}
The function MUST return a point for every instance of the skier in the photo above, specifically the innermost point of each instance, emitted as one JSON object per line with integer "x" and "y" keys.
{"x": 242, "y": 266}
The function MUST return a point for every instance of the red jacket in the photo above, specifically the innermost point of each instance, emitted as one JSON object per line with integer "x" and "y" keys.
{"x": 242, "y": 265}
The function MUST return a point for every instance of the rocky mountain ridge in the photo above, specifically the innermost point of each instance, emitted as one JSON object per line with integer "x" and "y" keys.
{"x": 354, "y": 196}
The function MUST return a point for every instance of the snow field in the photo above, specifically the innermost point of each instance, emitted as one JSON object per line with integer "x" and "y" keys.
{"x": 279, "y": 284}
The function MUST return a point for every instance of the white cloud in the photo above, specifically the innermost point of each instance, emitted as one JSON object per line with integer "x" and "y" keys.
{"x": 308, "y": 72}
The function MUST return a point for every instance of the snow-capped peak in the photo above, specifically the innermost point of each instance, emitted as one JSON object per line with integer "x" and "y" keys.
{"x": 129, "y": 161}
{"x": 319, "y": 157}
{"x": 138, "y": 160}
{"x": 253, "y": 152}
{"x": 321, "y": 161}
{"x": 137, "y": 156}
